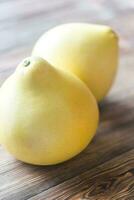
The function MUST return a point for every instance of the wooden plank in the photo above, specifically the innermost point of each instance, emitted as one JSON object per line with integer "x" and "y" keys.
{"x": 111, "y": 180}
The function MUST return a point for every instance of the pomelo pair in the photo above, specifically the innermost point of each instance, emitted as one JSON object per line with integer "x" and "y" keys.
{"x": 47, "y": 114}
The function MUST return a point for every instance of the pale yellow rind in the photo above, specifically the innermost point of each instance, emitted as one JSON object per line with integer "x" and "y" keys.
{"x": 47, "y": 116}
{"x": 89, "y": 51}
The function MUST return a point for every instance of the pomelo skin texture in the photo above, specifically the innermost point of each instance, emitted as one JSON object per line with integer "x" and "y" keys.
{"x": 47, "y": 115}
{"x": 89, "y": 51}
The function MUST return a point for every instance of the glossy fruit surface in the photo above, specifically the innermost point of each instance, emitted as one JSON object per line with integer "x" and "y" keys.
{"x": 89, "y": 51}
{"x": 47, "y": 115}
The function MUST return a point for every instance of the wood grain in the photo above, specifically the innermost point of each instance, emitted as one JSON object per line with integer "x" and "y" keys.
{"x": 105, "y": 169}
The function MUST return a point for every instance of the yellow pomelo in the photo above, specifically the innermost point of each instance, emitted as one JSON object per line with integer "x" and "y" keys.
{"x": 89, "y": 51}
{"x": 47, "y": 115}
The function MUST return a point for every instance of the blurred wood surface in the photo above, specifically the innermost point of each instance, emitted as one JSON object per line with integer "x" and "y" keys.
{"x": 105, "y": 170}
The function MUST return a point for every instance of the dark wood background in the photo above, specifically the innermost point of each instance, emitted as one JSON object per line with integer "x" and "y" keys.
{"x": 105, "y": 170}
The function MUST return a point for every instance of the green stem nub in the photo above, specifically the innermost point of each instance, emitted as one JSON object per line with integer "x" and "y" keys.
{"x": 26, "y": 63}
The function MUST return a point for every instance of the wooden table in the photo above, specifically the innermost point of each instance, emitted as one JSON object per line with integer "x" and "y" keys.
{"x": 105, "y": 170}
